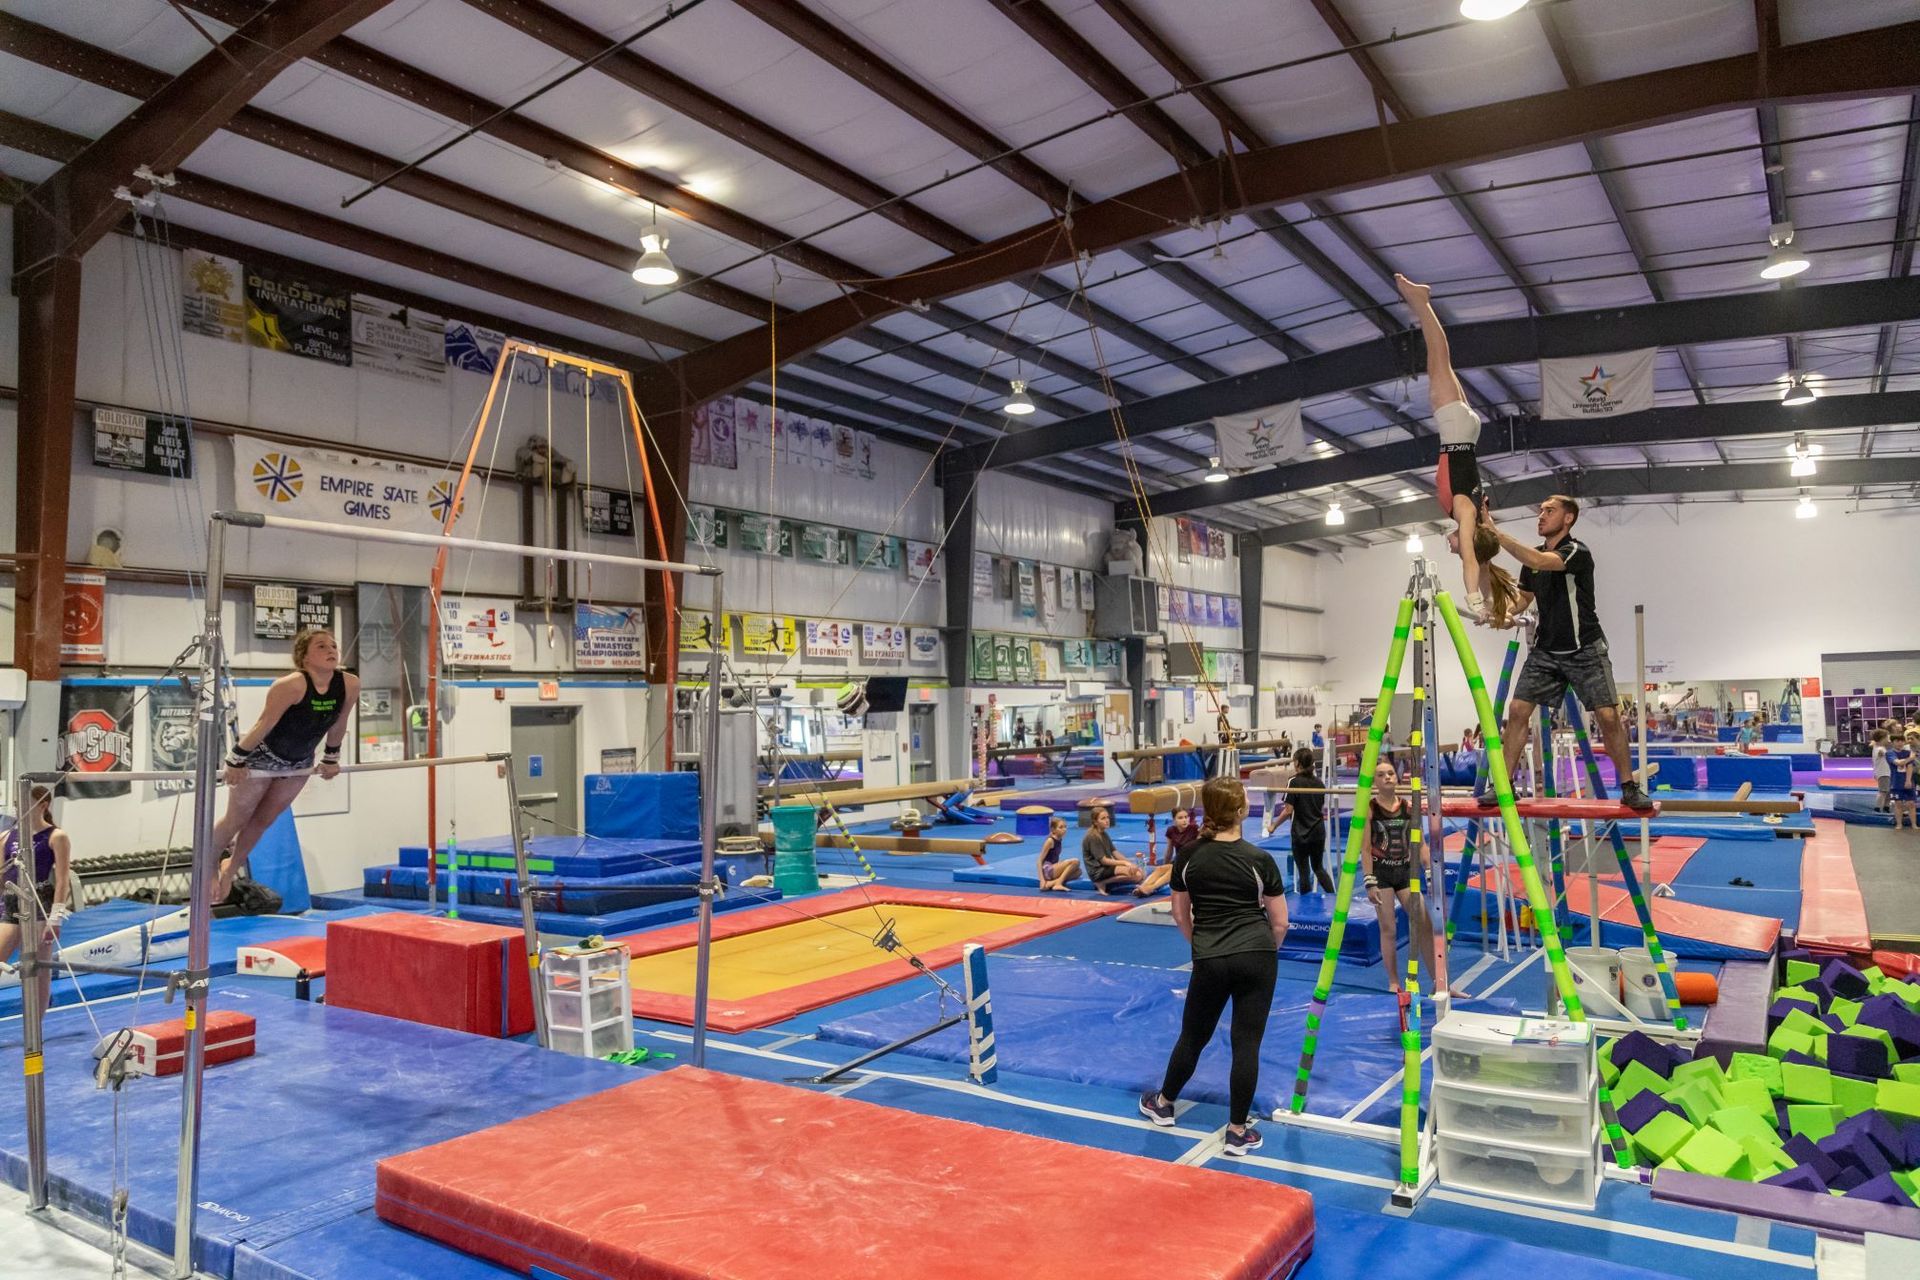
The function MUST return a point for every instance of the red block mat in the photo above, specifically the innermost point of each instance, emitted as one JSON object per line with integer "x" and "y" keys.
{"x": 693, "y": 1173}
{"x": 444, "y": 973}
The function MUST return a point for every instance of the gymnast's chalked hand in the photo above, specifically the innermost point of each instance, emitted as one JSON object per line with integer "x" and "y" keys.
{"x": 327, "y": 769}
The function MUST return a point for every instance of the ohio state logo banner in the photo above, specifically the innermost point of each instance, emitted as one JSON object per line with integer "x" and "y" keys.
{"x": 96, "y": 739}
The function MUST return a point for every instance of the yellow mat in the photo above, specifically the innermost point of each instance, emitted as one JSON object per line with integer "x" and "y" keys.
{"x": 767, "y": 960}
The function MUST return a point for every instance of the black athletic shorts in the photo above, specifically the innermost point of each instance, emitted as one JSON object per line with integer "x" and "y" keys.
{"x": 1393, "y": 875}
{"x": 1459, "y": 474}
{"x": 1588, "y": 671}
{"x": 11, "y": 910}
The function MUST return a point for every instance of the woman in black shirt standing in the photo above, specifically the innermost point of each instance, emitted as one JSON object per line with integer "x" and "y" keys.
{"x": 1230, "y": 904}
{"x": 1306, "y": 802}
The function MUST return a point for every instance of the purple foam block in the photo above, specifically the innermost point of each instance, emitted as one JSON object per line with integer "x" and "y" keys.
{"x": 1804, "y": 1059}
{"x": 1637, "y": 1046}
{"x": 1912, "y": 1135}
{"x": 1848, "y": 1178}
{"x": 1779, "y": 1009}
{"x": 1800, "y": 1178}
{"x": 1880, "y": 1190}
{"x": 1834, "y": 1021}
{"x": 1803, "y": 1151}
{"x": 1877, "y": 1129}
{"x": 1643, "y": 1107}
{"x": 1843, "y": 979}
{"x": 1854, "y": 1150}
{"x": 1881, "y": 1011}
{"x": 1781, "y": 1116}
{"x": 1820, "y": 988}
{"x": 1857, "y": 1056}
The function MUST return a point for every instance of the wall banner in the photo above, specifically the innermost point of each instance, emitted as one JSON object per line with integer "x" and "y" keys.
{"x": 288, "y": 314}
{"x": 282, "y": 612}
{"x": 96, "y": 738}
{"x": 764, "y": 635}
{"x": 172, "y": 736}
{"x": 605, "y": 511}
{"x": 923, "y": 561}
{"x": 828, "y": 638}
{"x": 923, "y": 644}
{"x": 765, "y": 535}
{"x": 980, "y": 661}
{"x": 211, "y": 302}
{"x": 1029, "y": 598}
{"x": 876, "y": 551}
{"x": 399, "y": 340}
{"x": 883, "y": 642}
{"x": 150, "y": 443}
{"x": 697, "y": 632}
{"x": 608, "y": 639}
{"x": 339, "y": 488}
{"x": 477, "y": 632}
{"x": 1607, "y": 386}
{"x": 83, "y": 620}
{"x": 708, "y": 527}
{"x": 822, "y": 544}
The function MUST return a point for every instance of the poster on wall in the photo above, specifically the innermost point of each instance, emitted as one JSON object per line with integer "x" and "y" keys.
{"x": 982, "y": 576}
{"x": 700, "y": 437}
{"x": 619, "y": 760}
{"x": 698, "y": 631}
{"x": 1003, "y": 668}
{"x": 83, "y": 620}
{"x": 1020, "y": 660}
{"x": 1069, "y": 591}
{"x": 765, "y": 535}
{"x": 876, "y": 551}
{"x": 96, "y": 738}
{"x": 768, "y": 636}
{"x": 980, "y": 659}
{"x": 281, "y": 612}
{"x": 605, "y": 511}
{"x": 286, "y": 313}
{"x": 1216, "y": 611}
{"x": 339, "y": 488}
{"x": 476, "y": 631}
{"x": 1073, "y": 655}
{"x": 1230, "y": 611}
{"x": 1005, "y": 579}
{"x": 723, "y": 428}
{"x": 1182, "y": 539}
{"x": 1176, "y": 606}
{"x": 883, "y": 642}
{"x": 829, "y": 638}
{"x": 172, "y": 736}
{"x": 923, "y": 644}
{"x": 470, "y": 347}
{"x": 1041, "y": 663}
{"x": 1029, "y": 589}
{"x": 153, "y": 444}
{"x": 708, "y": 527}
{"x": 923, "y": 561}
{"x": 822, "y": 544}
{"x": 211, "y": 302}
{"x": 403, "y": 341}
{"x": 608, "y": 639}
{"x": 1086, "y": 591}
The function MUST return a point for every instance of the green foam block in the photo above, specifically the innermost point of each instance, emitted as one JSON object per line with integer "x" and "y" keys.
{"x": 1907, "y": 1071}
{"x": 1812, "y": 1121}
{"x": 1784, "y": 1041}
{"x": 1752, "y": 1094}
{"x": 1804, "y": 1023}
{"x": 1757, "y": 1066}
{"x": 1766, "y": 1159}
{"x": 1909, "y": 993}
{"x": 1713, "y": 1153}
{"x": 1873, "y": 973}
{"x": 1806, "y": 1084}
{"x": 1698, "y": 1098}
{"x": 1799, "y": 971}
{"x": 1820, "y": 1047}
{"x": 1707, "y": 1069}
{"x": 1661, "y": 1136}
{"x": 1637, "y": 1076}
{"x": 1898, "y": 1099}
{"x": 1740, "y": 1123}
{"x": 1848, "y": 1011}
{"x": 1853, "y": 1096}
{"x": 1608, "y": 1072}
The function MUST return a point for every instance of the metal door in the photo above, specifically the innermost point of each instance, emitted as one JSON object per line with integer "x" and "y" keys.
{"x": 920, "y": 745}
{"x": 546, "y": 767}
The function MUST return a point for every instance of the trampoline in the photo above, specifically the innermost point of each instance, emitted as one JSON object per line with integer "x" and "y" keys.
{"x": 772, "y": 962}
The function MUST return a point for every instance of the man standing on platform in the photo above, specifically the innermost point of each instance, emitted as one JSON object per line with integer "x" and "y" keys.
{"x": 1569, "y": 648}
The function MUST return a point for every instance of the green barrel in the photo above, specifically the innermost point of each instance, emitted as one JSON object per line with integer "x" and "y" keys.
{"x": 794, "y": 869}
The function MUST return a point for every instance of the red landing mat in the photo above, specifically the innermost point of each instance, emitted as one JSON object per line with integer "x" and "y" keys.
{"x": 1671, "y": 917}
{"x": 735, "y": 1179}
{"x": 1833, "y": 915}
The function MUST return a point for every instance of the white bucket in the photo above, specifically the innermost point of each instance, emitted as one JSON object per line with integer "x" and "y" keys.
{"x": 1595, "y": 969}
{"x": 1644, "y": 995}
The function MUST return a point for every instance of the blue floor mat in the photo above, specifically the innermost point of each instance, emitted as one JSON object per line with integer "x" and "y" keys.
{"x": 573, "y": 895}
{"x": 1715, "y": 863}
{"x": 1112, "y": 1025}
{"x": 1350, "y": 1245}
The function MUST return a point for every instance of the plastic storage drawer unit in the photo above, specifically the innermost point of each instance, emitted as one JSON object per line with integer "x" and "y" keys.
{"x": 1532, "y": 1055}
{"x": 1557, "y": 1122}
{"x": 1570, "y": 1179}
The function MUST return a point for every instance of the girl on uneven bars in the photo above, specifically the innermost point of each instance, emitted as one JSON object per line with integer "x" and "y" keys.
{"x": 1458, "y": 479}
{"x": 273, "y": 760}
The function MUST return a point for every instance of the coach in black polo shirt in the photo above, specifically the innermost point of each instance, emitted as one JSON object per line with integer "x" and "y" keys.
{"x": 1569, "y": 649}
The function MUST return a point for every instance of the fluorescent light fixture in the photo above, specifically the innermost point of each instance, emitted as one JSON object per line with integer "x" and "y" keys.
{"x": 1806, "y": 510}
{"x": 1799, "y": 390}
{"x": 1489, "y": 10}
{"x": 1335, "y": 515}
{"x": 654, "y": 266}
{"x": 1407, "y": 493}
{"x": 1216, "y": 474}
{"x": 1783, "y": 260}
{"x": 1019, "y": 404}
{"x": 1414, "y": 545}
{"x": 1803, "y": 465}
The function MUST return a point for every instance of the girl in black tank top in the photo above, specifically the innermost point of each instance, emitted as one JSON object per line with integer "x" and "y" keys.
{"x": 306, "y": 712}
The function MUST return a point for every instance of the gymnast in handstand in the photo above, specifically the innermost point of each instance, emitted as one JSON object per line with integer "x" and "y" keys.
{"x": 1461, "y": 492}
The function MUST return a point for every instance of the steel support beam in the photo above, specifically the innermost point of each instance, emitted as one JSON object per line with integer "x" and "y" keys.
{"x": 1869, "y": 63}
{"x": 1771, "y": 313}
{"x": 1624, "y": 482}
{"x": 49, "y": 350}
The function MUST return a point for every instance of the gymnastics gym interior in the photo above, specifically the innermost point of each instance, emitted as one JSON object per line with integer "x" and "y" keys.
{"x": 620, "y": 617}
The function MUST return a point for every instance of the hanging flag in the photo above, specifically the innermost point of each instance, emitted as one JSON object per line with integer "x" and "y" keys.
{"x": 701, "y": 450}
{"x": 1263, "y": 438}
{"x": 1597, "y": 386}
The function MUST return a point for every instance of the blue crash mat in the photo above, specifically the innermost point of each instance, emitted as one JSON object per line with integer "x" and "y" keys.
{"x": 1112, "y": 1025}
{"x": 573, "y": 895}
{"x": 563, "y": 855}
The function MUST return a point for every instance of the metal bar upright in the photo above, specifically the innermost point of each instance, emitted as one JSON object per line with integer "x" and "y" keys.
{"x": 33, "y": 979}
{"x": 1475, "y": 828}
{"x": 522, "y": 876}
{"x": 709, "y": 827}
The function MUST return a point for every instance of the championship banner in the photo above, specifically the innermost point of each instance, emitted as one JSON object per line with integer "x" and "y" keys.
{"x": 765, "y": 635}
{"x": 765, "y": 535}
{"x": 923, "y": 561}
{"x": 982, "y": 576}
{"x": 700, "y": 448}
{"x": 880, "y": 642}
{"x": 707, "y": 526}
{"x": 477, "y": 632}
{"x": 608, "y": 639}
{"x": 697, "y": 632}
{"x": 83, "y": 620}
{"x": 339, "y": 488}
{"x": 1069, "y": 591}
{"x": 1176, "y": 606}
{"x": 923, "y": 644}
{"x": 96, "y": 738}
{"x": 1216, "y": 613}
{"x": 827, "y": 638}
{"x": 1042, "y": 663}
{"x": 1076, "y": 655}
{"x": 1263, "y": 438}
{"x": 1086, "y": 591}
{"x": 606, "y": 511}
{"x": 1608, "y": 386}
{"x": 290, "y": 315}
{"x": 822, "y": 544}
{"x": 150, "y": 443}
{"x": 1230, "y": 611}
{"x": 399, "y": 340}
{"x": 1029, "y": 589}
{"x": 1003, "y": 667}
{"x": 172, "y": 736}
{"x": 980, "y": 661}
{"x": 211, "y": 304}
{"x": 282, "y": 612}
{"x": 1049, "y": 592}
{"x": 876, "y": 551}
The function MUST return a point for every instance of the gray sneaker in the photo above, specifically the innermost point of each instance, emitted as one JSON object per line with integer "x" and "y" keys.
{"x": 1241, "y": 1141}
{"x": 1635, "y": 797}
{"x": 1157, "y": 1109}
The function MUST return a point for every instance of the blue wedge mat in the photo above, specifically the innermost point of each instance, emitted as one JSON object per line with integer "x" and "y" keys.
{"x": 1112, "y": 1025}
{"x": 276, "y": 863}
{"x": 1716, "y": 863}
{"x": 564, "y": 855}
{"x": 573, "y": 895}
{"x": 631, "y": 920}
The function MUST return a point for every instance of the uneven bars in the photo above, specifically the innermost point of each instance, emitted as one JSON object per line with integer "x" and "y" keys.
{"x": 360, "y": 533}
{"x": 55, "y": 778}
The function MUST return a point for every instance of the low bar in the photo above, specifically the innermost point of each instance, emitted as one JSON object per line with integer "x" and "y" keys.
{"x": 358, "y": 533}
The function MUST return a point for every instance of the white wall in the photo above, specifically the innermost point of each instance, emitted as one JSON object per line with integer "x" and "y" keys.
{"x": 1730, "y": 590}
{"x": 1293, "y": 577}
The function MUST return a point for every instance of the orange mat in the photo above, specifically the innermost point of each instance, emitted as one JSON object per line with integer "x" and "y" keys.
{"x": 1833, "y": 915}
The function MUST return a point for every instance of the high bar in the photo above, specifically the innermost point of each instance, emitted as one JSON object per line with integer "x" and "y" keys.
{"x": 356, "y": 533}
{"x": 55, "y": 777}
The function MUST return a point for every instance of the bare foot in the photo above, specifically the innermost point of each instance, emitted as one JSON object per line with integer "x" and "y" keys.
{"x": 1416, "y": 295}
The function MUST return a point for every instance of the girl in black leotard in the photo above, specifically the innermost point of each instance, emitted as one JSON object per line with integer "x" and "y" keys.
{"x": 273, "y": 760}
{"x": 39, "y": 867}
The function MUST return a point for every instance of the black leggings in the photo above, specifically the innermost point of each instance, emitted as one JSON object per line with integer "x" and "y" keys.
{"x": 1309, "y": 864}
{"x": 1246, "y": 978}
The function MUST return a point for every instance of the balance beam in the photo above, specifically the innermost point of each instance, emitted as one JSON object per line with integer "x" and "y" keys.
{"x": 844, "y": 755}
{"x": 883, "y": 795}
{"x": 1161, "y": 753}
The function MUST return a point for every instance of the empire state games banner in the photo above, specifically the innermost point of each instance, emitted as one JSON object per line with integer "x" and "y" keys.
{"x": 1607, "y": 386}
{"x": 339, "y": 488}
{"x": 1264, "y": 438}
